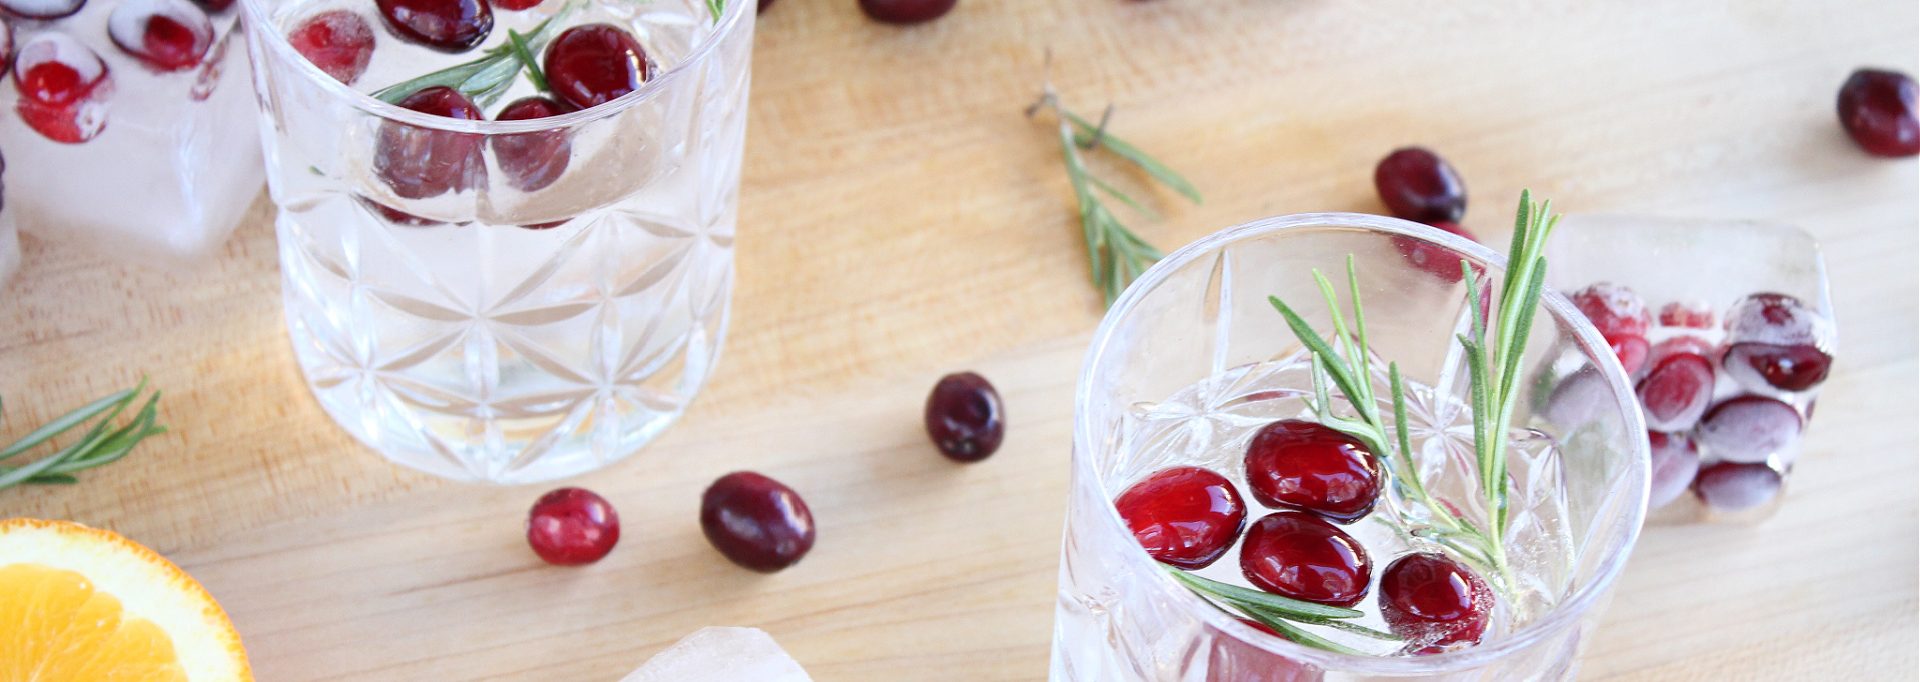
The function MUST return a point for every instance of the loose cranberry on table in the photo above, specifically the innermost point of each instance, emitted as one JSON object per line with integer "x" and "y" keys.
{"x": 1748, "y": 429}
{"x": 338, "y": 41}
{"x": 1676, "y": 391}
{"x": 1185, "y": 516}
{"x": 965, "y": 418}
{"x": 1309, "y": 466}
{"x": 168, "y": 35}
{"x": 1442, "y": 262}
{"x": 1776, "y": 341}
{"x": 906, "y": 11}
{"x": 62, "y": 85}
{"x": 1418, "y": 185}
{"x": 1622, "y": 319}
{"x": 1689, "y": 314}
{"x": 593, "y": 64}
{"x": 572, "y": 526}
{"x": 419, "y": 163}
{"x": 444, "y": 25}
{"x": 532, "y": 161}
{"x": 1735, "y": 486}
{"x": 1675, "y": 462}
{"x": 1434, "y": 602}
{"x": 1878, "y": 109}
{"x": 41, "y": 9}
{"x": 756, "y": 522}
{"x": 1301, "y": 556}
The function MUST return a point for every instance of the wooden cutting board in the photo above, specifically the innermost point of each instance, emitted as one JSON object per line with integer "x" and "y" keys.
{"x": 902, "y": 219}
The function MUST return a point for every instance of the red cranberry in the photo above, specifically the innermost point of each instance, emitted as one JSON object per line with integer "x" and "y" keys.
{"x": 42, "y": 9}
{"x": 1303, "y": 557}
{"x": 337, "y": 41}
{"x": 1788, "y": 368}
{"x": 1433, "y": 602}
{"x": 1689, "y": 314}
{"x": 444, "y": 25}
{"x": 1632, "y": 352}
{"x": 1622, "y": 319}
{"x": 572, "y": 526}
{"x": 1748, "y": 429}
{"x": 906, "y": 11}
{"x": 215, "y": 5}
{"x": 1184, "y": 516}
{"x": 1677, "y": 391}
{"x": 1235, "y": 660}
{"x": 757, "y": 522}
{"x": 1443, "y": 263}
{"x": 1777, "y": 319}
{"x": 593, "y": 64}
{"x": 1418, "y": 185}
{"x": 168, "y": 35}
{"x": 532, "y": 160}
{"x": 1311, "y": 467}
{"x": 1734, "y": 486}
{"x": 1675, "y": 461}
{"x": 1776, "y": 341}
{"x": 419, "y": 163}
{"x": 965, "y": 418}
{"x": 1681, "y": 345}
{"x": 1878, "y": 110}
{"x": 6, "y": 46}
{"x": 515, "y": 5}
{"x": 63, "y": 87}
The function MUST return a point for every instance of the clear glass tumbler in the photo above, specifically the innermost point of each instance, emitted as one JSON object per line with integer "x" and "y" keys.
{"x": 1194, "y": 349}
{"x": 534, "y": 321}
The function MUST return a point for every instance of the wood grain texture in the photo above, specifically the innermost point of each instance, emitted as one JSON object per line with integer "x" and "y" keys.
{"x": 900, "y": 219}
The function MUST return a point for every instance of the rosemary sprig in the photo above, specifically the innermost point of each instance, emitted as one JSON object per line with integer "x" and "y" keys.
{"x": 1282, "y": 614}
{"x": 101, "y": 444}
{"x": 485, "y": 79}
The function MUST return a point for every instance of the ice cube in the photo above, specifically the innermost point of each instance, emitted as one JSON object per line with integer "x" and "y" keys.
{"x": 721, "y": 654}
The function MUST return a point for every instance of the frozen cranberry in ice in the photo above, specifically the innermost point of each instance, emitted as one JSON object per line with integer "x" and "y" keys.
{"x": 593, "y": 64}
{"x": 572, "y": 526}
{"x": 42, "y": 9}
{"x": 1434, "y": 602}
{"x": 6, "y": 46}
{"x": 1622, "y": 319}
{"x": 63, "y": 87}
{"x": 1442, "y": 262}
{"x": 1879, "y": 110}
{"x": 418, "y": 162}
{"x": 444, "y": 25}
{"x": 1692, "y": 314}
{"x": 1735, "y": 486}
{"x": 1301, "y": 556}
{"x": 1795, "y": 367}
{"x": 339, "y": 41}
{"x": 906, "y": 11}
{"x": 1777, "y": 319}
{"x": 1675, "y": 461}
{"x": 1184, "y": 516}
{"x": 964, "y": 417}
{"x": 168, "y": 35}
{"x": 1309, "y": 466}
{"x": 515, "y": 5}
{"x": 1676, "y": 391}
{"x": 1418, "y": 185}
{"x": 534, "y": 160}
{"x": 1776, "y": 341}
{"x": 1679, "y": 345}
{"x": 756, "y": 522}
{"x": 1749, "y": 429}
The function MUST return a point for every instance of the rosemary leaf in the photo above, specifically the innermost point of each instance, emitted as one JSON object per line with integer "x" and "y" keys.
{"x": 1299, "y": 636}
{"x": 1235, "y": 594}
{"x": 1159, "y": 171}
{"x": 1115, "y": 192}
{"x": 101, "y": 444}
{"x": 66, "y": 422}
{"x": 525, "y": 55}
{"x": 1336, "y": 368}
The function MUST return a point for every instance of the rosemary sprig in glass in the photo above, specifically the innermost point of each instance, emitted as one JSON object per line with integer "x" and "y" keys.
{"x": 100, "y": 445}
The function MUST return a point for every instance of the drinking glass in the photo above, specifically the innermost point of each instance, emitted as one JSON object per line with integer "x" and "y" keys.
{"x": 1172, "y": 359}
{"x": 561, "y": 304}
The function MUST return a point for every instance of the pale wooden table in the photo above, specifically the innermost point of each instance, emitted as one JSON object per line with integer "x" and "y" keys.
{"x": 901, "y": 219}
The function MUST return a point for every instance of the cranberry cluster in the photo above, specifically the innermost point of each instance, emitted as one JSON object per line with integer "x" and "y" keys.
{"x": 65, "y": 86}
{"x": 1317, "y": 478}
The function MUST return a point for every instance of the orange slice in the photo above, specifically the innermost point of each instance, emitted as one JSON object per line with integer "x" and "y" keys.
{"x": 83, "y": 604}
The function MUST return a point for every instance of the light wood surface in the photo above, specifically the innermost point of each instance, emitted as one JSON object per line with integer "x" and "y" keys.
{"x": 902, "y": 219}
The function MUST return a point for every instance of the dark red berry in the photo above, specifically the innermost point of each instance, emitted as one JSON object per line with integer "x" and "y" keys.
{"x": 168, "y": 35}
{"x": 515, "y": 5}
{"x": 906, "y": 11}
{"x": 1735, "y": 486}
{"x": 444, "y": 25}
{"x": 337, "y": 41}
{"x": 757, "y": 522}
{"x": 215, "y": 5}
{"x": 532, "y": 160}
{"x": 1796, "y": 367}
{"x": 63, "y": 86}
{"x": 1690, "y": 314}
{"x": 1418, "y": 185}
{"x": 1434, "y": 602}
{"x": 1676, "y": 392}
{"x": 1675, "y": 461}
{"x": 419, "y": 163}
{"x": 593, "y": 64}
{"x": 1622, "y": 319}
{"x": 42, "y": 9}
{"x": 1749, "y": 429}
{"x": 1442, "y": 262}
{"x": 965, "y": 418}
{"x": 1878, "y": 110}
{"x": 572, "y": 526}
{"x": 1184, "y": 516}
{"x": 1311, "y": 467}
{"x": 1299, "y": 555}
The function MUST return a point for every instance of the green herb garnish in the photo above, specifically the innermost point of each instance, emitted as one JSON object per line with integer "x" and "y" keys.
{"x": 100, "y": 445}
{"x": 716, "y": 7}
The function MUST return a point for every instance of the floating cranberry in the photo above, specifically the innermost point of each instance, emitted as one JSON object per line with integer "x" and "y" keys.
{"x": 1301, "y": 556}
{"x": 63, "y": 86}
{"x": 572, "y": 526}
{"x": 757, "y": 522}
{"x": 1418, "y": 185}
{"x": 1442, "y": 262}
{"x": 1184, "y": 516}
{"x": 593, "y": 64}
{"x": 42, "y": 9}
{"x": 1878, "y": 110}
{"x": 1788, "y": 368}
{"x": 1235, "y": 660}
{"x": 1689, "y": 314}
{"x": 1734, "y": 486}
{"x": 444, "y": 25}
{"x": 965, "y": 418}
{"x": 1433, "y": 602}
{"x": 906, "y": 11}
{"x": 1675, "y": 461}
{"x": 419, "y": 163}
{"x": 1676, "y": 392}
{"x": 1749, "y": 429}
{"x": 337, "y": 41}
{"x": 532, "y": 160}
{"x": 1622, "y": 319}
{"x": 1311, "y": 467}
{"x": 168, "y": 35}
{"x": 515, "y": 5}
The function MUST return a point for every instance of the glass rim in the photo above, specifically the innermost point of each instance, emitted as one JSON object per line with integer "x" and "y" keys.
{"x": 258, "y": 23}
{"x": 1585, "y": 337}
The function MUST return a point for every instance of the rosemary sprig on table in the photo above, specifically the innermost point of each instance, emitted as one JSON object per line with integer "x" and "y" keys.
{"x": 102, "y": 444}
{"x": 485, "y": 79}
{"x": 1116, "y": 256}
